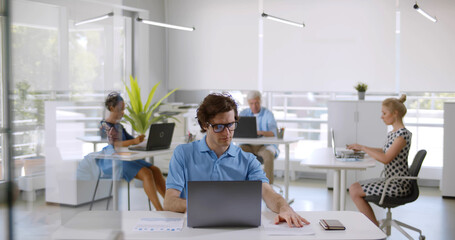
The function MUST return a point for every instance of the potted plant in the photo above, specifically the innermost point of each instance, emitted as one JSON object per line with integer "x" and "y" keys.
{"x": 361, "y": 89}
{"x": 142, "y": 116}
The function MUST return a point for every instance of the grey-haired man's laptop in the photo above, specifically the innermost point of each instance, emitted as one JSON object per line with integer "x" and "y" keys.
{"x": 224, "y": 203}
{"x": 160, "y": 137}
{"x": 246, "y": 128}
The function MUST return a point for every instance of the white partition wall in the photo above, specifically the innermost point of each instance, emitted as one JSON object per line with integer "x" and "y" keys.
{"x": 448, "y": 177}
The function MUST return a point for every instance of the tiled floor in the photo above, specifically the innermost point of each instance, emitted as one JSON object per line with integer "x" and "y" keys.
{"x": 431, "y": 213}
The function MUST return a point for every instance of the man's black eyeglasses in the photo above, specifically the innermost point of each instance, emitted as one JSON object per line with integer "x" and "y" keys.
{"x": 220, "y": 127}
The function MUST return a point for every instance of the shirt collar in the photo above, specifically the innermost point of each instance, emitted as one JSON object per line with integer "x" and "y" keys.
{"x": 203, "y": 147}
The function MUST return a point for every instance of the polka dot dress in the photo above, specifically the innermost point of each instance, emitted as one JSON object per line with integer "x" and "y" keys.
{"x": 397, "y": 167}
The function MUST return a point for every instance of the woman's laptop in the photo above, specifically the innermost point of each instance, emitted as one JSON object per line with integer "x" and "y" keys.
{"x": 247, "y": 128}
{"x": 346, "y": 154}
{"x": 160, "y": 137}
{"x": 224, "y": 203}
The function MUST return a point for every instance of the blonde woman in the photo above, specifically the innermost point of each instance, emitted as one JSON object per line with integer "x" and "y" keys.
{"x": 394, "y": 156}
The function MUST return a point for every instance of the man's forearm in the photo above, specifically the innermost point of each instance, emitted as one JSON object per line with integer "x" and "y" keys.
{"x": 276, "y": 203}
{"x": 174, "y": 204}
{"x": 273, "y": 200}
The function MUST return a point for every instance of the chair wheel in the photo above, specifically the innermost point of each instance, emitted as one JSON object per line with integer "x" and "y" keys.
{"x": 421, "y": 237}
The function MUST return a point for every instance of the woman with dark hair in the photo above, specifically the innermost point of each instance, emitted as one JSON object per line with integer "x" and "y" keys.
{"x": 150, "y": 175}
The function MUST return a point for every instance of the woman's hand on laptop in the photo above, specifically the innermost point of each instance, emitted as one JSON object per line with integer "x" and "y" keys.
{"x": 290, "y": 217}
{"x": 355, "y": 147}
{"x": 139, "y": 139}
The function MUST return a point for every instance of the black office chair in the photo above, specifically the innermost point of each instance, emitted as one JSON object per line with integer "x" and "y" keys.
{"x": 391, "y": 202}
{"x": 101, "y": 175}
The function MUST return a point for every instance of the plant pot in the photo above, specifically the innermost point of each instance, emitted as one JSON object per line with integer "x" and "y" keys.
{"x": 361, "y": 95}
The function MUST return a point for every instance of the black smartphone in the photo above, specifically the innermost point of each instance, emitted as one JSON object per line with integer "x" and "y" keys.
{"x": 331, "y": 224}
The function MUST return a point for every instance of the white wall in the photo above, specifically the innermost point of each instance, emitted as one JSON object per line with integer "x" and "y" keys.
{"x": 223, "y": 51}
{"x": 427, "y": 48}
{"x": 150, "y": 47}
{"x": 344, "y": 42}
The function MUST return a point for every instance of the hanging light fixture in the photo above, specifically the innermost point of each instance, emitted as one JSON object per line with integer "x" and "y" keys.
{"x": 425, "y": 14}
{"x": 165, "y": 25}
{"x": 277, "y": 19}
{"x": 95, "y": 19}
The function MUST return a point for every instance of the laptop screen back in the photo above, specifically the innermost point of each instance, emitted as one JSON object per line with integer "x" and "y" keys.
{"x": 224, "y": 203}
{"x": 247, "y": 128}
{"x": 160, "y": 137}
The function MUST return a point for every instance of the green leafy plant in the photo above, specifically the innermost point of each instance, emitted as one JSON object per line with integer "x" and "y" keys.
{"x": 142, "y": 116}
{"x": 361, "y": 87}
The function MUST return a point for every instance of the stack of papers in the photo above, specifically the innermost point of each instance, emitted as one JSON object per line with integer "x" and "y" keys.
{"x": 159, "y": 225}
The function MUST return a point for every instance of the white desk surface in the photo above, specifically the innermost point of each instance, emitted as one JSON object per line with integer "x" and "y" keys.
{"x": 125, "y": 154}
{"x": 93, "y": 139}
{"x": 104, "y": 225}
{"x": 266, "y": 140}
{"x": 324, "y": 158}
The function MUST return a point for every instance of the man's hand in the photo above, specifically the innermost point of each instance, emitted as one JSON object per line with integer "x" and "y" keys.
{"x": 293, "y": 219}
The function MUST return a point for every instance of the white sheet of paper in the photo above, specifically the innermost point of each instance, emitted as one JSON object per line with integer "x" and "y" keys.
{"x": 159, "y": 225}
{"x": 283, "y": 229}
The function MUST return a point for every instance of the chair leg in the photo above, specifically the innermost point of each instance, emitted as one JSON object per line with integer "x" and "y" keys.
{"x": 388, "y": 223}
{"x": 96, "y": 188}
{"x": 397, "y": 226}
{"x": 109, "y": 196}
{"x": 150, "y": 206}
{"x": 128, "y": 196}
{"x": 409, "y": 227}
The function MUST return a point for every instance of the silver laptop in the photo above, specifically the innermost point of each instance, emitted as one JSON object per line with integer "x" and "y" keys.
{"x": 247, "y": 128}
{"x": 160, "y": 137}
{"x": 345, "y": 155}
{"x": 224, "y": 203}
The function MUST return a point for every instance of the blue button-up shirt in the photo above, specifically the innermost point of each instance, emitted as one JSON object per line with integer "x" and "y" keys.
{"x": 265, "y": 122}
{"x": 197, "y": 162}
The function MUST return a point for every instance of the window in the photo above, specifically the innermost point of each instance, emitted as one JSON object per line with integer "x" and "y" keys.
{"x": 305, "y": 115}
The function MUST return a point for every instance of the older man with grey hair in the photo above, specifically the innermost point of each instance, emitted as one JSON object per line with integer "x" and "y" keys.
{"x": 267, "y": 127}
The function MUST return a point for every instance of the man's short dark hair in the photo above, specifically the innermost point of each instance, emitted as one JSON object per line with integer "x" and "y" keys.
{"x": 213, "y": 104}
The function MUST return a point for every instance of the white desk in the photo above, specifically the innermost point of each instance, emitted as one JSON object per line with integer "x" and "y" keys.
{"x": 106, "y": 224}
{"x": 136, "y": 156}
{"x": 273, "y": 140}
{"x": 324, "y": 159}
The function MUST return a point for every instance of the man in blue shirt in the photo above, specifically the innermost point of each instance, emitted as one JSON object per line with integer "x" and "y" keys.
{"x": 267, "y": 127}
{"x": 215, "y": 158}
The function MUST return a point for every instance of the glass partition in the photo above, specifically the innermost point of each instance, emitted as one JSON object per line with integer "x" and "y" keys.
{"x": 60, "y": 75}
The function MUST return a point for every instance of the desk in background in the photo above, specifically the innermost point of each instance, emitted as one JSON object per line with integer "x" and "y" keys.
{"x": 324, "y": 159}
{"x": 93, "y": 140}
{"x": 107, "y": 224}
{"x": 274, "y": 140}
{"x": 137, "y": 155}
